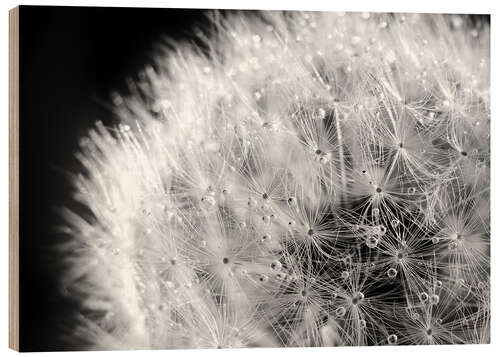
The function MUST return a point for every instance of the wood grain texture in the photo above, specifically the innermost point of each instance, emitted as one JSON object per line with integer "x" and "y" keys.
{"x": 14, "y": 178}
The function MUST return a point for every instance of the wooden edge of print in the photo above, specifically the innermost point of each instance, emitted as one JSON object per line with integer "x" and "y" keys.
{"x": 14, "y": 178}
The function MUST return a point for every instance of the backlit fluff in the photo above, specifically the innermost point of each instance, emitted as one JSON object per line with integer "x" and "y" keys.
{"x": 301, "y": 179}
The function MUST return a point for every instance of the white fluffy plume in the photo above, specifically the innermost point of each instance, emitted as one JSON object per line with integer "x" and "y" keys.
{"x": 300, "y": 179}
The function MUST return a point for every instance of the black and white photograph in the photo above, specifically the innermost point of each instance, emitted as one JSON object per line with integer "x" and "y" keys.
{"x": 216, "y": 178}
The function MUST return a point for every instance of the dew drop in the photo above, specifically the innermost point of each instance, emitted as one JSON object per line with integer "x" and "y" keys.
{"x": 208, "y": 201}
{"x": 344, "y": 275}
{"x": 355, "y": 40}
{"x": 424, "y": 297}
{"x": 371, "y": 242}
{"x": 266, "y": 238}
{"x": 320, "y": 113}
{"x": 391, "y": 273}
{"x": 392, "y": 339}
{"x": 276, "y": 265}
{"x": 434, "y": 299}
{"x": 263, "y": 278}
{"x": 252, "y": 203}
{"x": 340, "y": 311}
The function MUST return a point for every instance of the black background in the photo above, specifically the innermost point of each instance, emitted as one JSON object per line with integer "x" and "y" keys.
{"x": 70, "y": 60}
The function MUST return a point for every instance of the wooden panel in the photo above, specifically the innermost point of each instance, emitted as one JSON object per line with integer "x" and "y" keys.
{"x": 14, "y": 178}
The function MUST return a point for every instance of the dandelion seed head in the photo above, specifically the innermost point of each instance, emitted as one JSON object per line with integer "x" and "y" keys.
{"x": 254, "y": 194}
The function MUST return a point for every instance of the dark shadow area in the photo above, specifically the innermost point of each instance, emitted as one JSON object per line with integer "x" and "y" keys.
{"x": 71, "y": 59}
